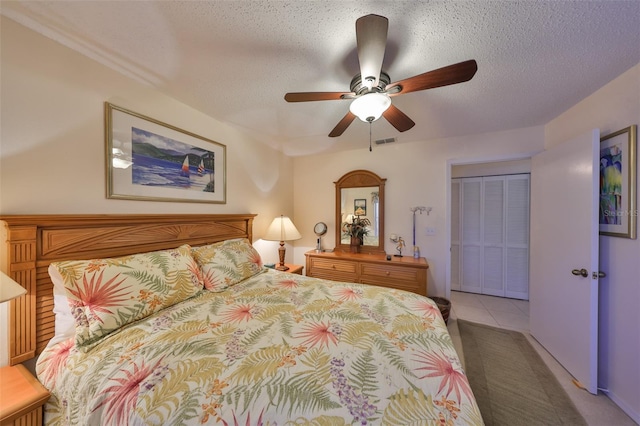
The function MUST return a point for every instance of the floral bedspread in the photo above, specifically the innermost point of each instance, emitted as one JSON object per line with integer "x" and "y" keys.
{"x": 275, "y": 349}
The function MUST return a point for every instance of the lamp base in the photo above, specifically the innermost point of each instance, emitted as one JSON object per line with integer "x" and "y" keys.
{"x": 281, "y": 251}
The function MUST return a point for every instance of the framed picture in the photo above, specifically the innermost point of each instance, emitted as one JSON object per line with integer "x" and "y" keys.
{"x": 360, "y": 207}
{"x": 618, "y": 169}
{"x": 153, "y": 161}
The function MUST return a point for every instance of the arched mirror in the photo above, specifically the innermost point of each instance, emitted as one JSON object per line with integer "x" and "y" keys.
{"x": 360, "y": 193}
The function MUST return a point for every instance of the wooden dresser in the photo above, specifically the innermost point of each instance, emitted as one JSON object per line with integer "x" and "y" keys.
{"x": 404, "y": 273}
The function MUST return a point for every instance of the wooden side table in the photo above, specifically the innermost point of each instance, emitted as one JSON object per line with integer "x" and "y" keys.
{"x": 294, "y": 269}
{"x": 21, "y": 397}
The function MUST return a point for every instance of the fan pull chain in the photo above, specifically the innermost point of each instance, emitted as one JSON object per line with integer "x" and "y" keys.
{"x": 370, "y": 136}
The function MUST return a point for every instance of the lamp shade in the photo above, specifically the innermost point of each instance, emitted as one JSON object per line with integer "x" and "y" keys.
{"x": 9, "y": 289}
{"x": 282, "y": 229}
{"x": 370, "y": 107}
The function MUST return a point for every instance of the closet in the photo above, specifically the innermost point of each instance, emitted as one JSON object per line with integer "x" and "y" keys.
{"x": 490, "y": 235}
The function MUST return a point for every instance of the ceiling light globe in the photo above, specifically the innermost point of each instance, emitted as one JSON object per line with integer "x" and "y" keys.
{"x": 370, "y": 107}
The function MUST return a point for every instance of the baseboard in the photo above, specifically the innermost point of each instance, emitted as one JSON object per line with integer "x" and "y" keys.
{"x": 629, "y": 411}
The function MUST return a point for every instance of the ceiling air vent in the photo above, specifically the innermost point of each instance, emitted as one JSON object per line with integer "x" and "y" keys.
{"x": 384, "y": 141}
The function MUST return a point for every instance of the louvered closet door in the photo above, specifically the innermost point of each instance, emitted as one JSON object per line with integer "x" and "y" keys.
{"x": 517, "y": 241}
{"x": 471, "y": 217}
{"x": 456, "y": 200}
{"x": 493, "y": 235}
{"x": 490, "y": 235}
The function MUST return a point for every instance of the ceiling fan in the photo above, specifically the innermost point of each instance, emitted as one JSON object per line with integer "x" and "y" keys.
{"x": 371, "y": 90}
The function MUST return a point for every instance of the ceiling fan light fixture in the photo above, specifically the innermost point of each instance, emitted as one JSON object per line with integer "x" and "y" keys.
{"x": 369, "y": 107}
{"x": 371, "y": 87}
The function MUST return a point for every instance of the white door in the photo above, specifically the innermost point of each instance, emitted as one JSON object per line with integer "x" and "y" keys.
{"x": 517, "y": 237}
{"x": 490, "y": 235}
{"x": 493, "y": 235}
{"x": 471, "y": 250}
{"x": 564, "y": 238}
{"x": 456, "y": 202}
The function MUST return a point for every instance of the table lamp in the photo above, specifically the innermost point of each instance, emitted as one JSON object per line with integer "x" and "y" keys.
{"x": 9, "y": 289}
{"x": 282, "y": 229}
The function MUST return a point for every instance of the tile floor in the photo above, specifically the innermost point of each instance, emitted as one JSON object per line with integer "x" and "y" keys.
{"x": 496, "y": 311}
{"x": 597, "y": 410}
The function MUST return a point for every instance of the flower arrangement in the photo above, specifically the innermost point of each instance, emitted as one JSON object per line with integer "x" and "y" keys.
{"x": 358, "y": 227}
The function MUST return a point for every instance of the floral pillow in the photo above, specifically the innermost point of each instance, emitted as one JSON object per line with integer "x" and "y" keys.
{"x": 106, "y": 294}
{"x": 227, "y": 263}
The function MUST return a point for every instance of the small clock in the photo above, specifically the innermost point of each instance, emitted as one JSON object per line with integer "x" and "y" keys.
{"x": 320, "y": 229}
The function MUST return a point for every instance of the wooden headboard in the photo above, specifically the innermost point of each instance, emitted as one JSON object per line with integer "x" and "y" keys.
{"x": 34, "y": 241}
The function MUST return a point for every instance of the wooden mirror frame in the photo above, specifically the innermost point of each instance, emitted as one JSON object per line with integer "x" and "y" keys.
{"x": 359, "y": 179}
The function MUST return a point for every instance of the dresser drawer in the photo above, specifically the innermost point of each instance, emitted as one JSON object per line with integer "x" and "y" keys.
{"x": 391, "y": 272}
{"x": 326, "y": 274}
{"x": 402, "y": 278}
{"x": 333, "y": 265}
{"x": 412, "y": 286}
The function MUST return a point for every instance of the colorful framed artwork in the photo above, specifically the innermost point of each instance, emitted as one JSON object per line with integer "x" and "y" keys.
{"x": 618, "y": 171}
{"x": 154, "y": 161}
{"x": 360, "y": 207}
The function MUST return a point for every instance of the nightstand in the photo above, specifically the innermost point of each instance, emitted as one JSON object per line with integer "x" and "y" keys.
{"x": 294, "y": 269}
{"x": 21, "y": 397}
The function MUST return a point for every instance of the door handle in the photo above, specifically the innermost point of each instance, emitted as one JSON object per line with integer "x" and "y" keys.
{"x": 599, "y": 274}
{"x": 582, "y": 272}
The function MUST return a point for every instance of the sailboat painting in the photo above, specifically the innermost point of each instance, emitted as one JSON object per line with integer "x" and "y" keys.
{"x": 166, "y": 162}
{"x": 163, "y": 163}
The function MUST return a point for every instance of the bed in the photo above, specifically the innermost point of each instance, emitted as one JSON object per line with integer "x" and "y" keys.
{"x": 176, "y": 321}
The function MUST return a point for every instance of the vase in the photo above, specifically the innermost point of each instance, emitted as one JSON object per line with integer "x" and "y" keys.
{"x": 355, "y": 244}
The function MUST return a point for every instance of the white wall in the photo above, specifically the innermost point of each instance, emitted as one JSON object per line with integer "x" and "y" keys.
{"x": 613, "y": 107}
{"x": 416, "y": 176}
{"x": 52, "y": 145}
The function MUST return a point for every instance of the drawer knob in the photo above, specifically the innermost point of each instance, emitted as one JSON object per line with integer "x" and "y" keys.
{"x": 333, "y": 266}
{"x": 387, "y": 272}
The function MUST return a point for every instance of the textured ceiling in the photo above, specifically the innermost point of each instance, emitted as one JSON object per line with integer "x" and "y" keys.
{"x": 235, "y": 60}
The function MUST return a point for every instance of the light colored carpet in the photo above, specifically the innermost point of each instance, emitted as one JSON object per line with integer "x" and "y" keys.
{"x": 511, "y": 383}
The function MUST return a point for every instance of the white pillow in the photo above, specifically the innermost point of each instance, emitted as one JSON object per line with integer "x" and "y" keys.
{"x": 65, "y": 327}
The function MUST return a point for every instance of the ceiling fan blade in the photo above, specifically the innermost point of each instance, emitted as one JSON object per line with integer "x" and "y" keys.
{"x": 398, "y": 119}
{"x": 317, "y": 96}
{"x": 452, "y": 74}
{"x": 342, "y": 125}
{"x": 371, "y": 37}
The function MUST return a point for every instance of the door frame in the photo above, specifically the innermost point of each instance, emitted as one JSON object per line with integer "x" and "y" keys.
{"x": 465, "y": 161}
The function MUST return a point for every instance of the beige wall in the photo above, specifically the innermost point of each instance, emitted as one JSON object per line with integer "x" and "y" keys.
{"x": 613, "y": 107}
{"x": 52, "y": 138}
{"x": 417, "y": 175}
{"x": 52, "y": 142}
